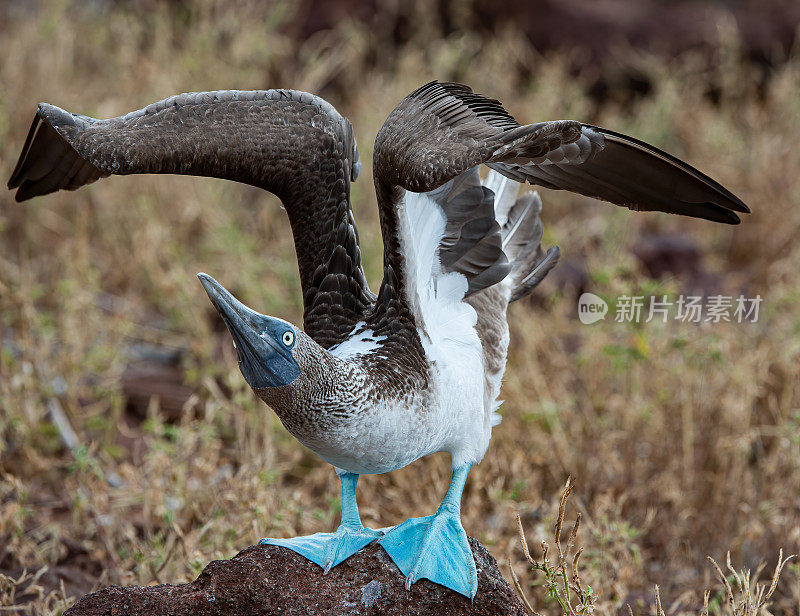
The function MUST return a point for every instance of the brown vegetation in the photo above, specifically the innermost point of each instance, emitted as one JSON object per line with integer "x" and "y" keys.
{"x": 684, "y": 439}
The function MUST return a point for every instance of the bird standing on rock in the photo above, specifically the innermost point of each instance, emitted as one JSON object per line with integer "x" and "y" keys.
{"x": 374, "y": 382}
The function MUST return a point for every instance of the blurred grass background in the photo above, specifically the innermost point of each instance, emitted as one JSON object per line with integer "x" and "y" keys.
{"x": 684, "y": 439}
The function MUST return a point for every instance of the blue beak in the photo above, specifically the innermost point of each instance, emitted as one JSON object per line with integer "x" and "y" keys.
{"x": 263, "y": 361}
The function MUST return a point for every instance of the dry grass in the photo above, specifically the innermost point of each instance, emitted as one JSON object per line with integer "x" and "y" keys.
{"x": 684, "y": 439}
{"x": 561, "y": 584}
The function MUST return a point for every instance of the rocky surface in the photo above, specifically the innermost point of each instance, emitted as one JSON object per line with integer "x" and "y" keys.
{"x": 268, "y": 580}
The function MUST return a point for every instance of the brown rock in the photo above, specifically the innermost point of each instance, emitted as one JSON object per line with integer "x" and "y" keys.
{"x": 267, "y": 580}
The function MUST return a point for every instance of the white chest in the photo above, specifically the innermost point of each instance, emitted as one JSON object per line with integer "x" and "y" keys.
{"x": 450, "y": 415}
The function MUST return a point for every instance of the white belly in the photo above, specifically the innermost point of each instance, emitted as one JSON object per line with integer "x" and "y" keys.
{"x": 451, "y": 416}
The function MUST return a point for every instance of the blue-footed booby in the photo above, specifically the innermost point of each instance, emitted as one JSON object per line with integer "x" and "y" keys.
{"x": 374, "y": 382}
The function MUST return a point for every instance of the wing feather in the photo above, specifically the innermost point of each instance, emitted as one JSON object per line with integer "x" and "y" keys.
{"x": 441, "y": 131}
{"x": 290, "y": 143}
{"x": 613, "y": 167}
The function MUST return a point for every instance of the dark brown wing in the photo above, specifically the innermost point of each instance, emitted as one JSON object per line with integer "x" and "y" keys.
{"x": 290, "y": 143}
{"x": 613, "y": 167}
{"x": 441, "y": 130}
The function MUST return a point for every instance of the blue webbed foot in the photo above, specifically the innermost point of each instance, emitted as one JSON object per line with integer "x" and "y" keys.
{"x": 328, "y": 549}
{"x": 436, "y": 547}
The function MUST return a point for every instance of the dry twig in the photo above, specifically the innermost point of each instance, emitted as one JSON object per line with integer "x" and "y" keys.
{"x": 556, "y": 579}
{"x": 752, "y": 595}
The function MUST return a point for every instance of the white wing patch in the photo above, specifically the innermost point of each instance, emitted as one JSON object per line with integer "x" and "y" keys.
{"x": 360, "y": 341}
{"x": 434, "y": 295}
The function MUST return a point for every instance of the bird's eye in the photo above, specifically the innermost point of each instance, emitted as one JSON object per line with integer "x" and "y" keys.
{"x": 288, "y": 338}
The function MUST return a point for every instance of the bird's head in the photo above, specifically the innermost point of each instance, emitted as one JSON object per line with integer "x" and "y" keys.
{"x": 265, "y": 345}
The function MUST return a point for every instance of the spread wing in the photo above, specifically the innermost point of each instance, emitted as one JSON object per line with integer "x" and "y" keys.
{"x": 439, "y": 133}
{"x": 290, "y": 143}
{"x": 442, "y": 130}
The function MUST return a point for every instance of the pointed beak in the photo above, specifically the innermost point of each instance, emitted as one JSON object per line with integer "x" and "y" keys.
{"x": 262, "y": 360}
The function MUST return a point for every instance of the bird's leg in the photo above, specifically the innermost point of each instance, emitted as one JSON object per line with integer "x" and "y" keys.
{"x": 329, "y": 549}
{"x": 436, "y": 547}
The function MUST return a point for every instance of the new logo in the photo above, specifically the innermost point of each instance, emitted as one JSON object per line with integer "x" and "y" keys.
{"x": 591, "y": 308}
